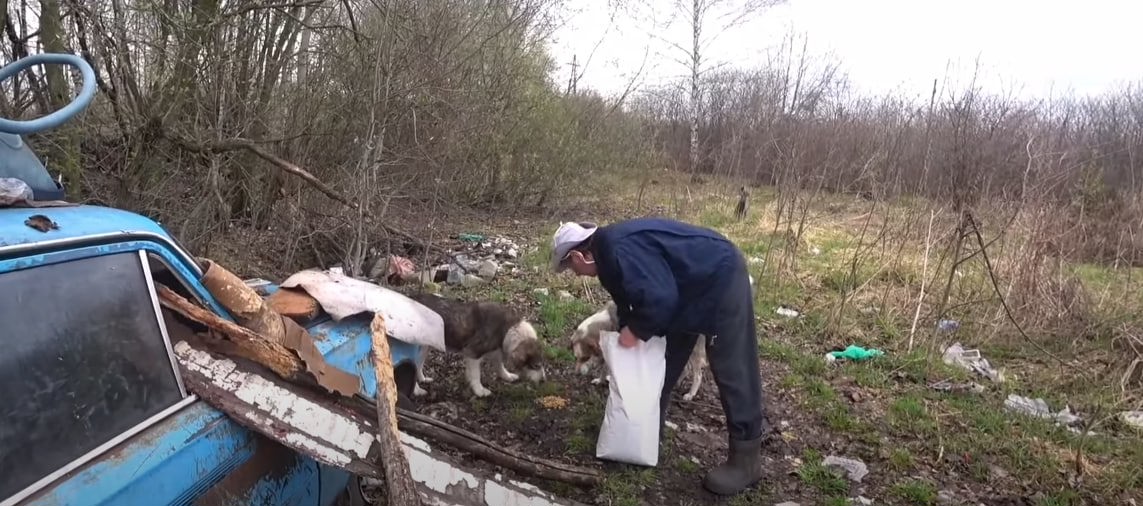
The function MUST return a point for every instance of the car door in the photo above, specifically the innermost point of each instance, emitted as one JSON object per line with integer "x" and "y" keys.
{"x": 92, "y": 408}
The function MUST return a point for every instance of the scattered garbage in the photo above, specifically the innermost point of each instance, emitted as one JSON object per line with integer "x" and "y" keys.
{"x": 948, "y": 326}
{"x": 392, "y": 268}
{"x": 853, "y": 353}
{"x": 481, "y": 257}
{"x": 854, "y": 469}
{"x": 1133, "y": 419}
{"x": 948, "y": 386}
{"x": 971, "y": 360}
{"x": 1039, "y": 408}
{"x": 787, "y": 312}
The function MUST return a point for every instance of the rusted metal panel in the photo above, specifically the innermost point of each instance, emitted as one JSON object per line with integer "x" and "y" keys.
{"x": 274, "y": 474}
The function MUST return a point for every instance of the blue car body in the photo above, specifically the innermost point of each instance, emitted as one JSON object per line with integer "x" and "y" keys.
{"x": 186, "y": 452}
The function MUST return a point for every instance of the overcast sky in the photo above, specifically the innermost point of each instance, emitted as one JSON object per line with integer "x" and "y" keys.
{"x": 1026, "y": 47}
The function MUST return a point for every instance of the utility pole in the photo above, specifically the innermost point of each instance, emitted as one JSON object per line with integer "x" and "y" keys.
{"x": 573, "y": 77}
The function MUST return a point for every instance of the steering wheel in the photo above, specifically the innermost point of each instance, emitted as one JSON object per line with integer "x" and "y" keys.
{"x": 57, "y": 118}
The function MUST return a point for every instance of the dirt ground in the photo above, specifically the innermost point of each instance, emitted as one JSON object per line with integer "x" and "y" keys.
{"x": 510, "y": 417}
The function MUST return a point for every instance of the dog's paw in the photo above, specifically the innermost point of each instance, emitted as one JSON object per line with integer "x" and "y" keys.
{"x": 482, "y": 392}
{"x": 509, "y": 376}
{"x": 418, "y": 391}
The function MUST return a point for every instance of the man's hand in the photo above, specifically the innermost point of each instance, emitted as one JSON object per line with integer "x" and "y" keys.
{"x": 627, "y": 339}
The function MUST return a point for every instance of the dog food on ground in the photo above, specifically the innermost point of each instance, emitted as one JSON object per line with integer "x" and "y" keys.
{"x": 552, "y": 402}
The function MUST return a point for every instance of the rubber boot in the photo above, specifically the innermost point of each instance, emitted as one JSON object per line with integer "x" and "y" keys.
{"x": 742, "y": 469}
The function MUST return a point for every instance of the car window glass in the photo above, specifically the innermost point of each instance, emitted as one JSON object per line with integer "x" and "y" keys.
{"x": 83, "y": 361}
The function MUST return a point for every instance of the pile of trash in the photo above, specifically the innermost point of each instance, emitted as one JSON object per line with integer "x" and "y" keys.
{"x": 478, "y": 259}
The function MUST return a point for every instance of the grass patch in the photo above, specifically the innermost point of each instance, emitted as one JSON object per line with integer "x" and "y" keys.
{"x": 917, "y": 492}
{"x": 901, "y": 460}
{"x": 686, "y": 465}
{"x": 557, "y": 317}
{"x": 626, "y": 488}
{"x": 908, "y": 415}
{"x": 819, "y": 477}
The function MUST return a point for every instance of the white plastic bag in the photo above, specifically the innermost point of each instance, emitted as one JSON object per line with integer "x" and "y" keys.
{"x": 630, "y": 430}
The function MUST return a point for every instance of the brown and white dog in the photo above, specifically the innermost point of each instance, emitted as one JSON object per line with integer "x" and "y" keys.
{"x": 477, "y": 330}
{"x": 589, "y": 355}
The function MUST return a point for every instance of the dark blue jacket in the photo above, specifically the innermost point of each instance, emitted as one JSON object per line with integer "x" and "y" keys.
{"x": 664, "y": 275}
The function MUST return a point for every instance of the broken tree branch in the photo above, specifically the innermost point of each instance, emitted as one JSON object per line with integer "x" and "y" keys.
{"x": 246, "y": 343}
{"x": 431, "y": 428}
{"x": 402, "y": 489}
{"x": 287, "y": 166}
{"x": 248, "y": 145}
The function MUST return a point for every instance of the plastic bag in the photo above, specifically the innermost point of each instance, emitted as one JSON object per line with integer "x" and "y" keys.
{"x": 13, "y": 191}
{"x": 630, "y": 430}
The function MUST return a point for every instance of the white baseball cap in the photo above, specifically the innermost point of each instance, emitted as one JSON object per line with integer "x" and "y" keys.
{"x": 568, "y": 236}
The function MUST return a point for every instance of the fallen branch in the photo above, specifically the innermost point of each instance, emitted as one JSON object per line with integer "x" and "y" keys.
{"x": 288, "y": 167}
{"x": 428, "y": 427}
{"x": 243, "y": 342}
{"x": 398, "y": 480}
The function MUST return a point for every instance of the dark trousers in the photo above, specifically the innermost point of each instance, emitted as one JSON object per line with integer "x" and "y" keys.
{"x": 732, "y": 352}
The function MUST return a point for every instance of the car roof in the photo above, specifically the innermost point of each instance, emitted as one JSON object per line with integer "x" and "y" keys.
{"x": 73, "y": 222}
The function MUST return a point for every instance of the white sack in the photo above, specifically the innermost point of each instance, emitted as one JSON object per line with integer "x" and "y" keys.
{"x": 630, "y": 430}
{"x": 341, "y": 296}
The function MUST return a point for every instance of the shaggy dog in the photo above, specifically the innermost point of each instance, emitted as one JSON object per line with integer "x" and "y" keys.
{"x": 588, "y": 355}
{"x": 484, "y": 329}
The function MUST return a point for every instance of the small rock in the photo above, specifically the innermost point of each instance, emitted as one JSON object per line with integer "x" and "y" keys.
{"x": 564, "y": 295}
{"x": 854, "y": 469}
{"x": 466, "y": 263}
{"x": 997, "y": 472}
{"x": 756, "y": 260}
{"x": 863, "y": 500}
{"x": 946, "y": 497}
{"x": 691, "y": 427}
{"x": 671, "y": 425}
{"x": 788, "y": 503}
{"x": 541, "y": 291}
{"x": 472, "y": 280}
{"x": 696, "y": 460}
{"x": 455, "y": 275}
{"x": 512, "y": 253}
{"x": 855, "y": 396}
{"x": 487, "y": 269}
